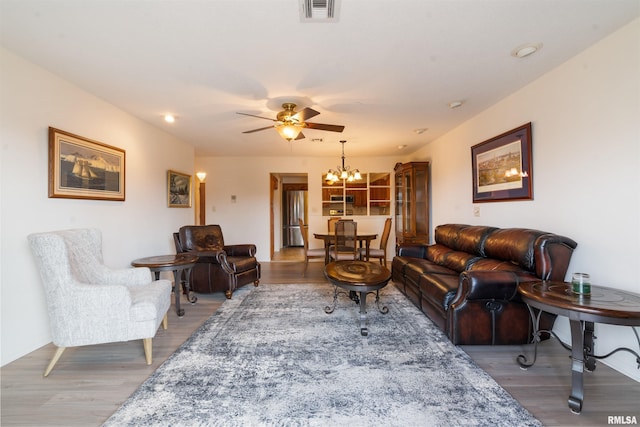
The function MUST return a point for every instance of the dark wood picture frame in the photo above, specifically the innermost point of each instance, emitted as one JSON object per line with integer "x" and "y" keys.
{"x": 503, "y": 167}
{"x": 80, "y": 168}
{"x": 179, "y": 189}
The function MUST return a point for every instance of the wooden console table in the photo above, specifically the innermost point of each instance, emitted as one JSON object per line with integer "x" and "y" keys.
{"x": 603, "y": 305}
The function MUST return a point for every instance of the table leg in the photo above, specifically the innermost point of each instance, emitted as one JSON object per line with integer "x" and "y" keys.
{"x": 363, "y": 314}
{"x": 577, "y": 366}
{"x": 187, "y": 286}
{"x": 177, "y": 282}
{"x": 329, "y": 309}
{"x": 589, "y": 350}
{"x": 327, "y": 244}
{"x": 522, "y": 359}
{"x": 384, "y": 309}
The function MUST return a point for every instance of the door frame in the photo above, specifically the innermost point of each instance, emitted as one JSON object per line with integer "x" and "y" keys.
{"x": 276, "y": 187}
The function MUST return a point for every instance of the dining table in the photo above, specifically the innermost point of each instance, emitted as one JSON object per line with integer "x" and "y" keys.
{"x": 364, "y": 240}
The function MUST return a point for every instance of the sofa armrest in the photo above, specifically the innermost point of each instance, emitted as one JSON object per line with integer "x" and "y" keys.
{"x": 240, "y": 250}
{"x": 487, "y": 285}
{"x": 413, "y": 251}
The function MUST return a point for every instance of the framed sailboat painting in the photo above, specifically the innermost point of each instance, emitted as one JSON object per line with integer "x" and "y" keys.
{"x": 80, "y": 168}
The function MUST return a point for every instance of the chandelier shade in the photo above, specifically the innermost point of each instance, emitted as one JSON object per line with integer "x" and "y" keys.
{"x": 289, "y": 130}
{"x": 343, "y": 172}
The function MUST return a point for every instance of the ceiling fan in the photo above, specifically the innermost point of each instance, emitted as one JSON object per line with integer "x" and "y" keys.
{"x": 290, "y": 123}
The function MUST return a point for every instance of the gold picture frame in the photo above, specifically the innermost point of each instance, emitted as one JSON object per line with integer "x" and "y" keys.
{"x": 178, "y": 189}
{"x": 80, "y": 168}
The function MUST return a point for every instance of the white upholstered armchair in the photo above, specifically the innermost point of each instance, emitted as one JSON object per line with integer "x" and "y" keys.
{"x": 87, "y": 302}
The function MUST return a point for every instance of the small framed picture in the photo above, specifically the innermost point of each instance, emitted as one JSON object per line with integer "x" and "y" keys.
{"x": 503, "y": 168}
{"x": 80, "y": 168}
{"x": 178, "y": 189}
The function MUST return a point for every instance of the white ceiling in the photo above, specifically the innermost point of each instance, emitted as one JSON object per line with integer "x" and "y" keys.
{"x": 385, "y": 68}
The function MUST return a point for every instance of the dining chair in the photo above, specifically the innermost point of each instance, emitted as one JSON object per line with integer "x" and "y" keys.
{"x": 331, "y": 223}
{"x": 345, "y": 243}
{"x": 308, "y": 253}
{"x": 380, "y": 253}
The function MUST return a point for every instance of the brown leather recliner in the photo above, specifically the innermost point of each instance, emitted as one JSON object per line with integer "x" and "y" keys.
{"x": 220, "y": 267}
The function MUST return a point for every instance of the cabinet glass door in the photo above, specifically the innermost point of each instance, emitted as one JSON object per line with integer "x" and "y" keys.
{"x": 399, "y": 205}
{"x": 408, "y": 202}
{"x": 421, "y": 202}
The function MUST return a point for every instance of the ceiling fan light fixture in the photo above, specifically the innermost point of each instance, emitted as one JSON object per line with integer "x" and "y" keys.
{"x": 289, "y": 131}
{"x": 289, "y": 123}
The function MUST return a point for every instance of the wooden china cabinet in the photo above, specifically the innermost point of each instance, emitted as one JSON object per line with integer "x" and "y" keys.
{"x": 412, "y": 202}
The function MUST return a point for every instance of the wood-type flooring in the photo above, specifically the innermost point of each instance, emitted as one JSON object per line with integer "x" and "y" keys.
{"x": 89, "y": 383}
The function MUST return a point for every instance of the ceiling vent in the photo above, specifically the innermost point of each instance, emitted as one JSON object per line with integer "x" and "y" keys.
{"x": 319, "y": 10}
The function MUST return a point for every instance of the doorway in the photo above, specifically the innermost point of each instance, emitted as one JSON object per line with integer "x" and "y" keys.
{"x": 288, "y": 202}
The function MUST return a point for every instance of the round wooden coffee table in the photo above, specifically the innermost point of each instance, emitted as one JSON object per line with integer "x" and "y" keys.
{"x": 176, "y": 263}
{"x": 358, "y": 277}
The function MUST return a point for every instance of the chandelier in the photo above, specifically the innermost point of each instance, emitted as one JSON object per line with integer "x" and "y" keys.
{"x": 343, "y": 172}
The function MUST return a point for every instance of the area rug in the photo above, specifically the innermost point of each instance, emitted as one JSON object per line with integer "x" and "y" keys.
{"x": 271, "y": 356}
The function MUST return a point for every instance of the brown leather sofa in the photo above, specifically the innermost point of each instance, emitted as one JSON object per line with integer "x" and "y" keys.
{"x": 220, "y": 267}
{"x": 466, "y": 282}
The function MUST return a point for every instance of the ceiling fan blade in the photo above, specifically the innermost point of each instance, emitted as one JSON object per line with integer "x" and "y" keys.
{"x": 253, "y": 115}
{"x": 259, "y": 129}
{"x": 305, "y": 114}
{"x": 300, "y": 136}
{"x": 321, "y": 126}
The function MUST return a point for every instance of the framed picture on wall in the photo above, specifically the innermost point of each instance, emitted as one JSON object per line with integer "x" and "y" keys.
{"x": 502, "y": 167}
{"x": 178, "y": 189}
{"x": 80, "y": 168}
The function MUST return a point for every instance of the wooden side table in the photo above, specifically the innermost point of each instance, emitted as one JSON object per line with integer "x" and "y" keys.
{"x": 179, "y": 264}
{"x": 603, "y": 305}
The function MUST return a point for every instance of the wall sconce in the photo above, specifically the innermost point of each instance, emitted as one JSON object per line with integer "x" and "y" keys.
{"x": 201, "y": 176}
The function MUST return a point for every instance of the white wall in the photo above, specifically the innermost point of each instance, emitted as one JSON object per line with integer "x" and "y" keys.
{"x": 32, "y": 100}
{"x": 247, "y": 220}
{"x": 586, "y": 163}
{"x": 585, "y": 152}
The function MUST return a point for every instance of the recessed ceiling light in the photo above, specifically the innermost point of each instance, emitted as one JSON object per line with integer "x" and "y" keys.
{"x": 402, "y": 147}
{"x": 526, "y": 50}
{"x": 169, "y": 118}
{"x": 420, "y": 131}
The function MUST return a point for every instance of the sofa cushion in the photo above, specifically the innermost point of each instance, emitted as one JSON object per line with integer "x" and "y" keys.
{"x": 471, "y": 239}
{"x": 514, "y": 245}
{"x": 447, "y": 234}
{"x": 494, "y": 264}
{"x": 437, "y": 253}
{"x": 459, "y": 261}
{"x": 418, "y": 267}
{"x": 440, "y": 289}
{"x": 464, "y": 238}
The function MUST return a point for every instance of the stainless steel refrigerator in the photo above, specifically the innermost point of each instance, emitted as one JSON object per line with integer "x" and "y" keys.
{"x": 294, "y": 206}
